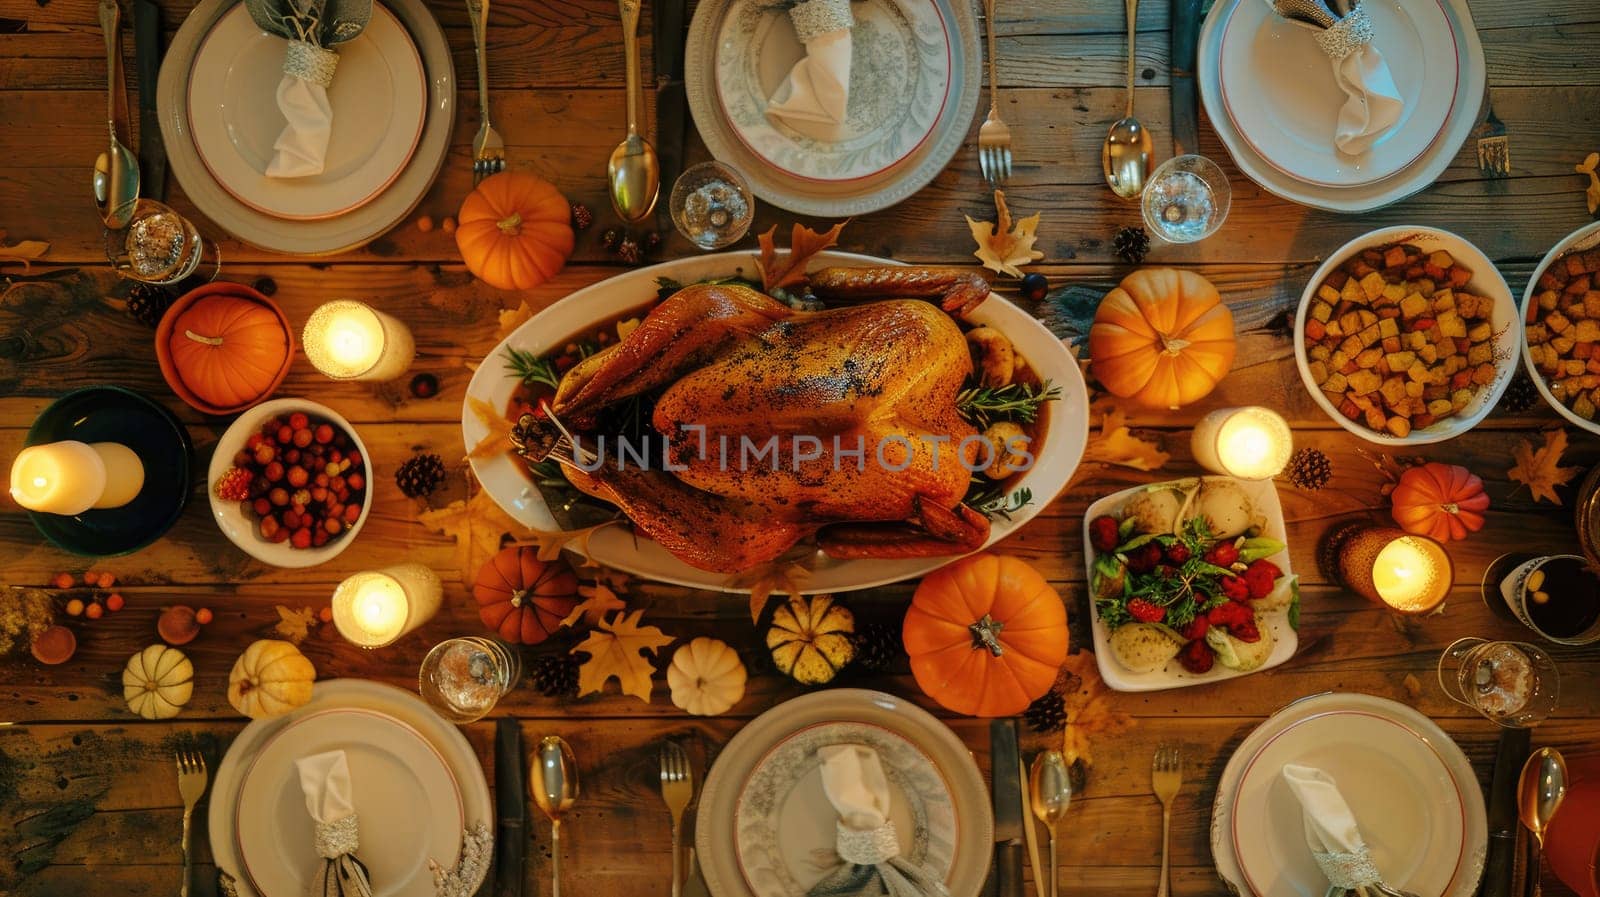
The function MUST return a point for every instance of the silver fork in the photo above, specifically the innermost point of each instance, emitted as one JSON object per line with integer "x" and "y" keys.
{"x": 488, "y": 150}
{"x": 1166, "y": 777}
{"x": 191, "y": 785}
{"x": 1494, "y": 147}
{"x": 994, "y": 138}
{"x": 677, "y": 787}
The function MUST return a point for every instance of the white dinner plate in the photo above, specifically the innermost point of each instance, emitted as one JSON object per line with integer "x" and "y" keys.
{"x": 784, "y": 821}
{"x": 407, "y": 805}
{"x": 342, "y": 694}
{"x": 1365, "y": 197}
{"x": 1280, "y": 93}
{"x": 378, "y": 96}
{"x": 1406, "y": 804}
{"x": 323, "y": 236}
{"x": 505, "y": 478}
{"x": 1463, "y": 880}
{"x": 730, "y": 778}
{"x": 832, "y": 199}
{"x": 899, "y": 85}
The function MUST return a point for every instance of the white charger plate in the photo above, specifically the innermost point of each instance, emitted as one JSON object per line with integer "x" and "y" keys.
{"x": 505, "y": 478}
{"x": 1365, "y": 197}
{"x": 330, "y": 694}
{"x": 1403, "y": 798}
{"x": 1469, "y": 869}
{"x": 730, "y": 777}
{"x": 407, "y": 803}
{"x": 1264, "y": 496}
{"x": 1280, "y": 93}
{"x": 378, "y": 96}
{"x": 324, "y": 236}
{"x": 899, "y": 85}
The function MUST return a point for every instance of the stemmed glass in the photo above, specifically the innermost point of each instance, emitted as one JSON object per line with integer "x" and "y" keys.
{"x": 1512, "y": 683}
{"x": 463, "y": 678}
{"x": 159, "y": 246}
{"x": 1186, "y": 199}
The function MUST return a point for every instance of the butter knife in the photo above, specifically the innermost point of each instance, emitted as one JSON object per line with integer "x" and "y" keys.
{"x": 1500, "y": 866}
{"x": 510, "y": 841}
{"x": 147, "y": 64}
{"x": 1005, "y": 787}
{"x": 1185, "y": 101}
{"x": 672, "y": 101}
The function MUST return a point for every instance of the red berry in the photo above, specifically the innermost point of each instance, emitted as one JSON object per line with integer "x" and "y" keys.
{"x": 325, "y": 615}
{"x": 94, "y": 611}
{"x": 203, "y": 616}
{"x": 1196, "y": 657}
{"x": 302, "y": 538}
{"x": 319, "y": 538}
{"x": 263, "y": 507}
{"x": 274, "y": 472}
{"x": 278, "y": 496}
{"x": 299, "y": 421}
{"x": 280, "y": 535}
{"x": 252, "y": 441}
{"x": 1144, "y": 558}
{"x": 324, "y": 434}
{"x": 352, "y": 513}
{"x": 298, "y": 476}
{"x": 333, "y": 526}
{"x": 354, "y": 458}
{"x": 291, "y": 519}
{"x": 269, "y": 527}
{"x": 62, "y": 581}
{"x": 1177, "y": 554}
{"x": 1228, "y": 613}
{"x": 1235, "y": 588}
{"x": 1196, "y": 628}
{"x": 355, "y": 481}
{"x": 1222, "y": 554}
{"x": 1261, "y": 576}
{"x": 75, "y": 607}
{"x": 285, "y": 434}
{"x": 302, "y": 438}
{"x": 320, "y": 493}
{"x": 114, "y": 602}
{"x": 292, "y": 456}
{"x": 1103, "y": 533}
{"x": 243, "y": 458}
{"x": 265, "y": 452}
{"x": 1146, "y": 612}
{"x": 1245, "y": 631}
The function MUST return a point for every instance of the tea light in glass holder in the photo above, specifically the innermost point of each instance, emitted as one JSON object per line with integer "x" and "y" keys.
{"x": 376, "y": 607}
{"x": 1408, "y": 573}
{"x": 350, "y": 340}
{"x": 71, "y": 477}
{"x": 1251, "y": 443}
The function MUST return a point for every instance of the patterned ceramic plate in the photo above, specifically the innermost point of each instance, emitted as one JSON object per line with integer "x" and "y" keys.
{"x": 785, "y": 824}
{"x": 899, "y": 84}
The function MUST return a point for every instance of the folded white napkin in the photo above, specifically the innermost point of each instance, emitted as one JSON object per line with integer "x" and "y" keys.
{"x": 818, "y": 87}
{"x": 325, "y": 780}
{"x": 866, "y": 841}
{"x": 1331, "y": 829}
{"x": 1372, "y": 102}
{"x": 302, "y": 147}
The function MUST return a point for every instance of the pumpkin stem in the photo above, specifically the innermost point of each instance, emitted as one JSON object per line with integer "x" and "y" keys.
{"x": 519, "y": 596}
{"x": 208, "y": 340}
{"x": 986, "y": 634}
{"x": 1172, "y": 345}
{"x": 1450, "y": 507}
{"x": 511, "y": 226}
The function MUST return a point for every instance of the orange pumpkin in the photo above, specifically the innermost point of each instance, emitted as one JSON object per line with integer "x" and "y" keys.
{"x": 224, "y": 347}
{"x": 986, "y": 635}
{"x": 514, "y": 231}
{"x": 522, "y": 598}
{"x": 1162, "y": 338}
{"x": 1441, "y": 501}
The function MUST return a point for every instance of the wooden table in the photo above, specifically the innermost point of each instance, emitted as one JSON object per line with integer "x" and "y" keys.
{"x": 88, "y": 802}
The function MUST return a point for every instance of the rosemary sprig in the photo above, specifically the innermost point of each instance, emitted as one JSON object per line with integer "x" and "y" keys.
{"x": 983, "y": 405}
{"x": 531, "y": 369}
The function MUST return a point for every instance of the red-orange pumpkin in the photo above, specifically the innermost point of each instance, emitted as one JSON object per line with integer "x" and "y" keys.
{"x": 986, "y": 635}
{"x": 515, "y": 230}
{"x": 224, "y": 347}
{"x": 1441, "y": 501}
{"x": 522, "y": 598}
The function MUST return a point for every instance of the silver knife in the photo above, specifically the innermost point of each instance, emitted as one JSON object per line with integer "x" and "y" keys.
{"x": 147, "y": 64}
{"x": 1185, "y": 102}
{"x": 1005, "y": 786}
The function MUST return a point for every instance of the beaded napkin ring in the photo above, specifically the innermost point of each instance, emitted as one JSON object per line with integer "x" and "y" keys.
{"x": 814, "y": 18}
{"x": 1348, "y": 35}
{"x": 1348, "y": 870}
{"x": 309, "y": 62}
{"x": 866, "y": 848}
{"x": 337, "y": 838}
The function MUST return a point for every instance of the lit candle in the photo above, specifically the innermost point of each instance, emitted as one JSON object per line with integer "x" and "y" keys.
{"x": 71, "y": 477}
{"x": 350, "y": 340}
{"x": 1251, "y": 443}
{"x": 377, "y": 607}
{"x": 1408, "y": 573}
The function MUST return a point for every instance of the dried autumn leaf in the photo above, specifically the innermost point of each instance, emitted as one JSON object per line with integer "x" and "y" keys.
{"x": 498, "y": 440}
{"x": 1540, "y": 469}
{"x": 614, "y": 648}
{"x": 477, "y": 526}
{"x": 552, "y": 542}
{"x": 294, "y": 625}
{"x": 1089, "y": 707}
{"x": 23, "y": 252}
{"x": 1591, "y": 193}
{"x": 803, "y": 244}
{"x": 1116, "y": 444}
{"x": 1002, "y": 247}
{"x": 512, "y": 318}
{"x": 781, "y": 577}
{"x": 597, "y": 602}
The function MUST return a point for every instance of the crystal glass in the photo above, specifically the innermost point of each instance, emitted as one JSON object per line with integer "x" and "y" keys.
{"x": 1186, "y": 199}
{"x": 712, "y": 205}
{"x": 1512, "y": 683}
{"x": 160, "y": 246}
{"x": 463, "y": 678}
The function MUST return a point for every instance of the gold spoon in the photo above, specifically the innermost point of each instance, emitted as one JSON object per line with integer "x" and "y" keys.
{"x": 116, "y": 171}
{"x": 1540, "y": 791}
{"x": 554, "y": 784}
{"x": 633, "y": 171}
{"x": 1125, "y": 157}
{"x": 1050, "y": 791}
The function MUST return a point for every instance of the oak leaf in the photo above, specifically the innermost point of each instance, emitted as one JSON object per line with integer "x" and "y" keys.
{"x": 803, "y": 244}
{"x": 1002, "y": 247}
{"x": 498, "y": 440}
{"x": 1090, "y": 707}
{"x": 294, "y": 625}
{"x": 597, "y": 602}
{"x": 1116, "y": 444}
{"x": 1539, "y": 469}
{"x": 614, "y": 648}
{"x": 477, "y": 525}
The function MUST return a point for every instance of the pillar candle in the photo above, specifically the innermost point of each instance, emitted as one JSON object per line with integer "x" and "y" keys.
{"x": 350, "y": 340}
{"x": 70, "y": 477}
{"x": 376, "y": 607}
{"x": 1408, "y": 573}
{"x": 1251, "y": 443}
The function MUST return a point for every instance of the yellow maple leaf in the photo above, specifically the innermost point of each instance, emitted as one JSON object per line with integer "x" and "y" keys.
{"x": 551, "y": 542}
{"x": 1004, "y": 248}
{"x": 614, "y": 648}
{"x": 477, "y": 525}
{"x": 1591, "y": 193}
{"x": 1116, "y": 444}
{"x": 1540, "y": 469}
{"x": 779, "y": 576}
{"x": 512, "y": 318}
{"x": 597, "y": 602}
{"x": 294, "y": 625}
{"x": 803, "y": 244}
{"x": 1089, "y": 706}
{"x": 498, "y": 440}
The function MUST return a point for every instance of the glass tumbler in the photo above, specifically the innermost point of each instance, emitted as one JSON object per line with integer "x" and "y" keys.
{"x": 463, "y": 678}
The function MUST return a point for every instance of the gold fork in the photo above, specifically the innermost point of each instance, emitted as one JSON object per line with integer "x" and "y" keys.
{"x": 191, "y": 784}
{"x": 488, "y": 149}
{"x": 1494, "y": 146}
{"x": 677, "y": 787}
{"x": 1166, "y": 777}
{"x": 994, "y": 137}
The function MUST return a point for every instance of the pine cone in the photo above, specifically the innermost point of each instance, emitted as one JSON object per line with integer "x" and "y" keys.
{"x": 1048, "y": 714}
{"x": 1310, "y": 469}
{"x": 878, "y": 647}
{"x": 147, "y": 303}
{"x": 628, "y": 250}
{"x": 420, "y": 475}
{"x": 1131, "y": 244}
{"x": 582, "y": 218}
{"x": 611, "y": 238}
{"x": 556, "y": 675}
{"x": 1520, "y": 395}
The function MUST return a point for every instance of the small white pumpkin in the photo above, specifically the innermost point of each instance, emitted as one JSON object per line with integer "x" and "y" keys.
{"x": 707, "y": 677}
{"x": 157, "y": 682}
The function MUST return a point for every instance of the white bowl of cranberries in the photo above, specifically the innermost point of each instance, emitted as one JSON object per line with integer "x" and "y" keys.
{"x": 289, "y": 483}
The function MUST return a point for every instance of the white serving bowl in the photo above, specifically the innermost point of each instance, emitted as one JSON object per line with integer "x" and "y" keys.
{"x": 242, "y": 528}
{"x": 1586, "y": 237}
{"x": 1486, "y": 281}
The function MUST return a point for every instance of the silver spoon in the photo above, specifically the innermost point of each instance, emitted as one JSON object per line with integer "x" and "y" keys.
{"x": 1050, "y": 787}
{"x": 554, "y": 784}
{"x": 116, "y": 171}
{"x": 1125, "y": 158}
{"x": 1540, "y": 791}
{"x": 633, "y": 171}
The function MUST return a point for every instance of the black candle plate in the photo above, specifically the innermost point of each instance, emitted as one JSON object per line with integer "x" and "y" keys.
{"x": 114, "y": 414}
